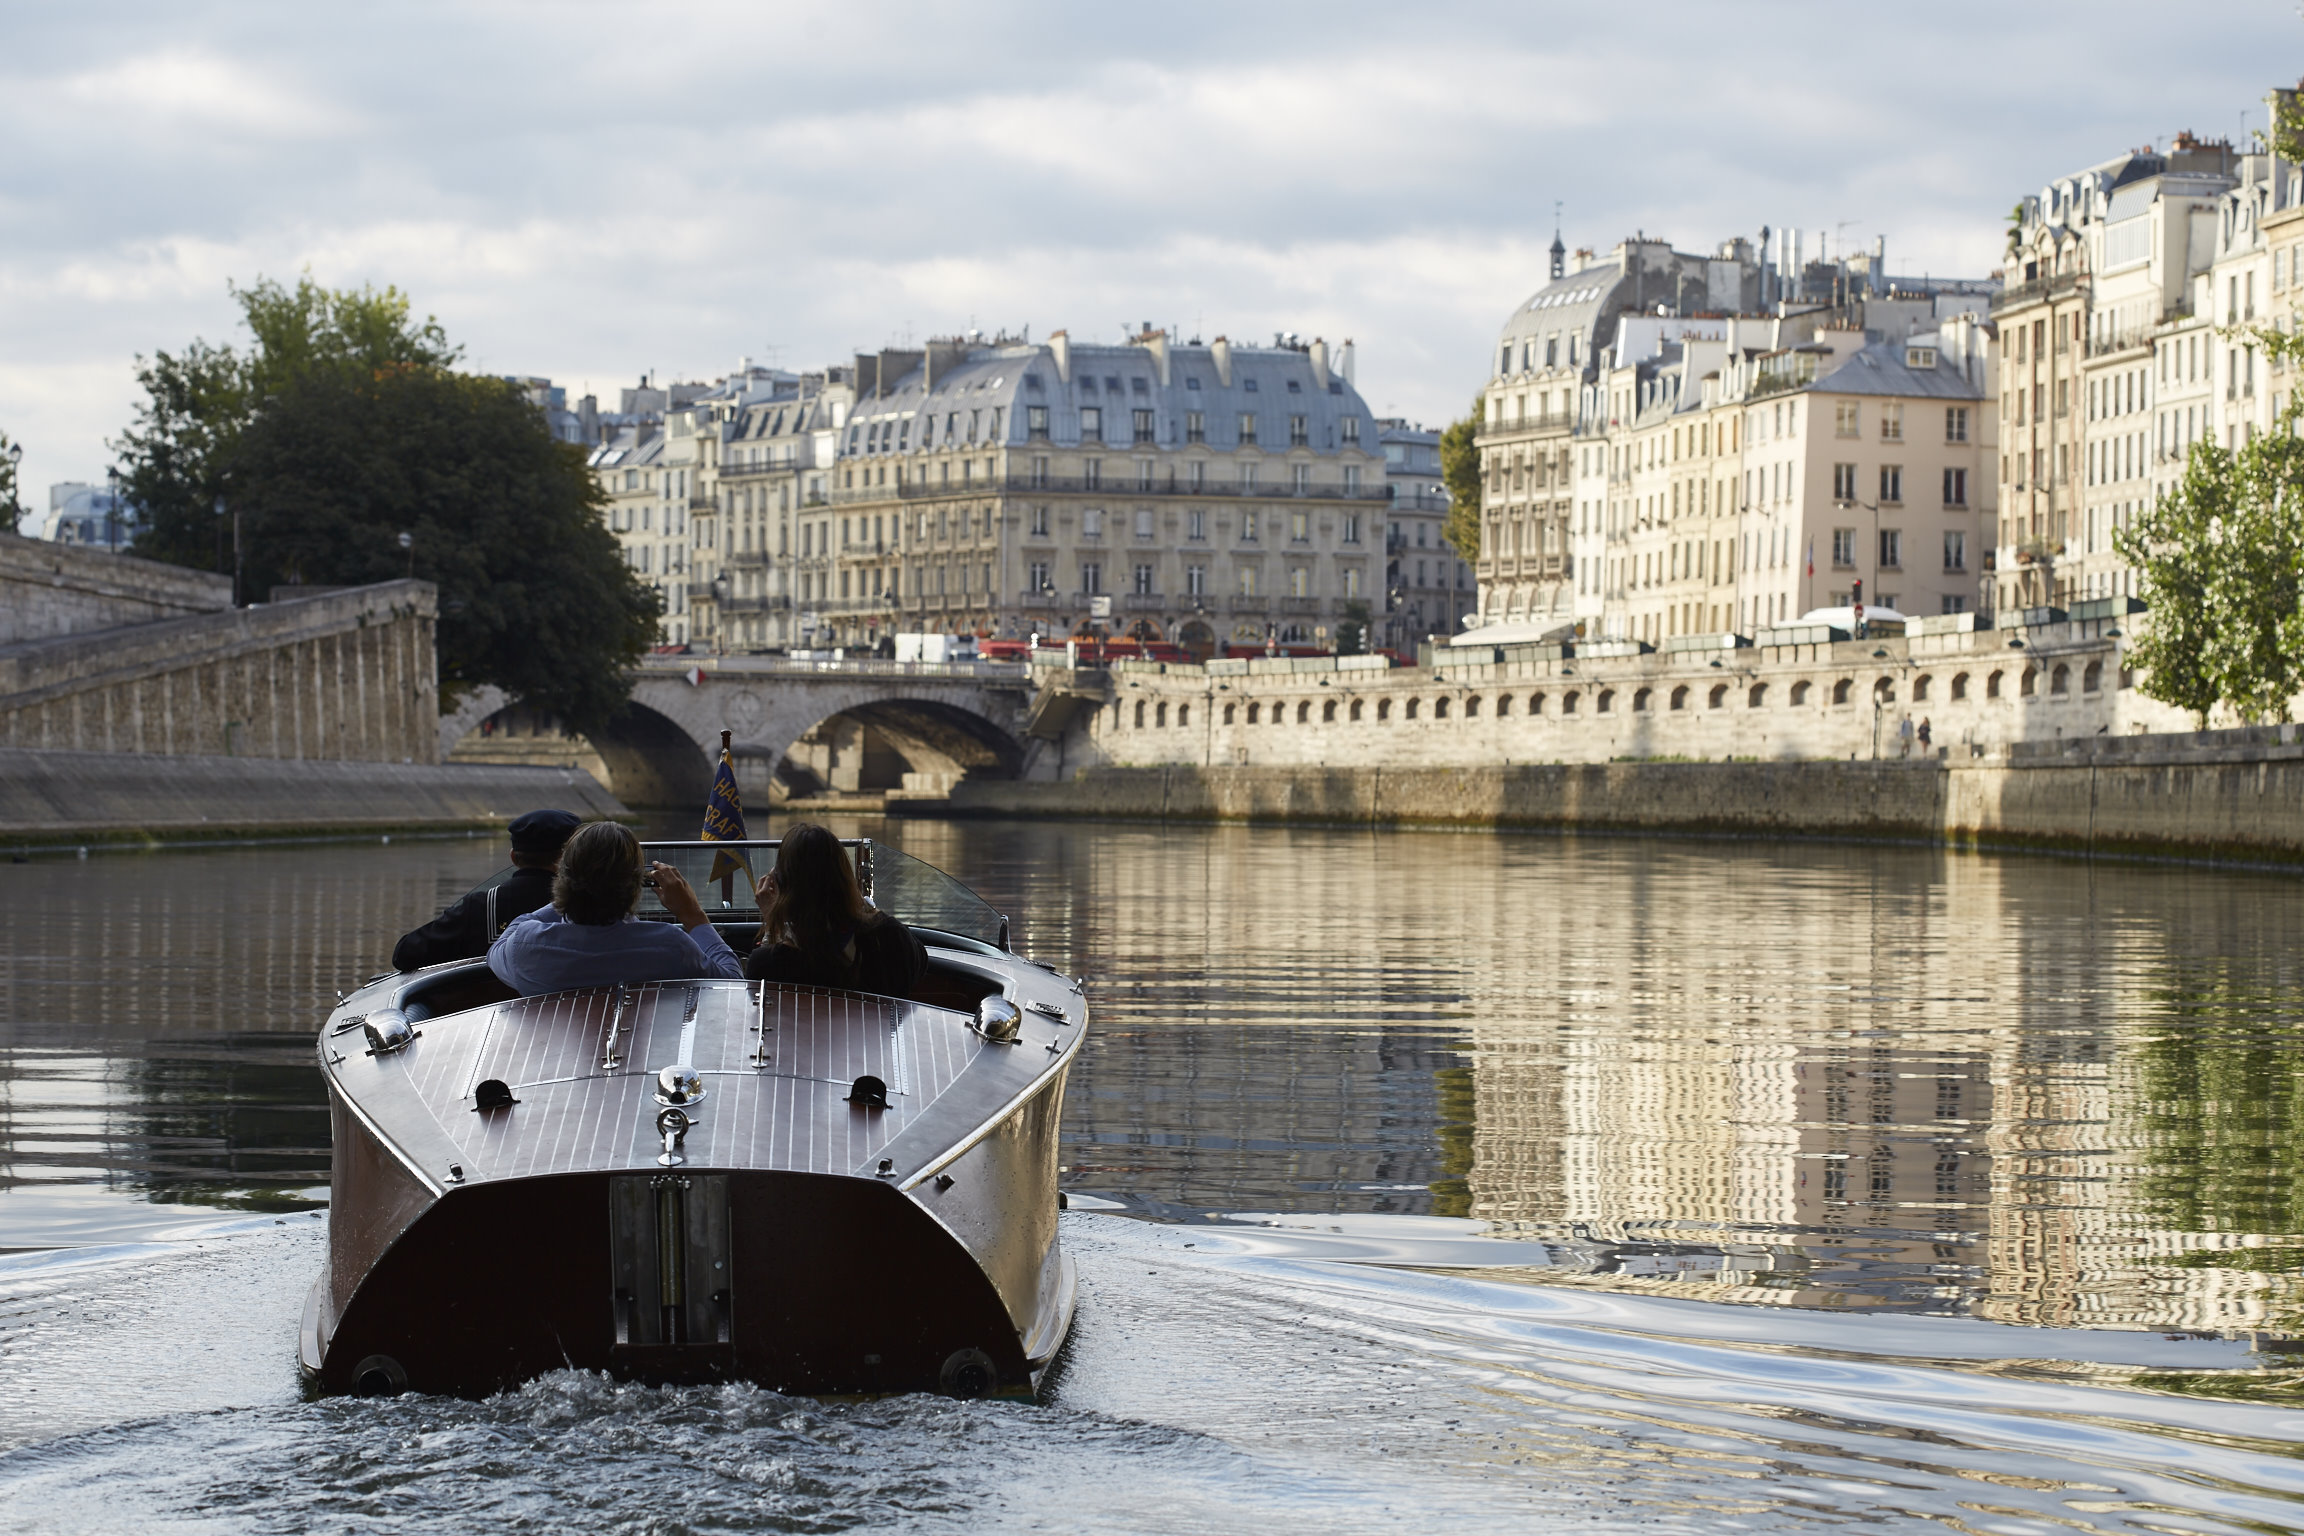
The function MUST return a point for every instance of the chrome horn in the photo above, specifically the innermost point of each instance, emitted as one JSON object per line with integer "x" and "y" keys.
{"x": 999, "y": 1020}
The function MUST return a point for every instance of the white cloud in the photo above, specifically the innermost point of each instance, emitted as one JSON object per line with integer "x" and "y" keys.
{"x": 599, "y": 192}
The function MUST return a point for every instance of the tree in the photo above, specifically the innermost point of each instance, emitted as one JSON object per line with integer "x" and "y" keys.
{"x": 2171, "y": 545}
{"x": 535, "y": 596}
{"x": 344, "y": 426}
{"x": 1460, "y": 469}
{"x": 1352, "y": 633}
{"x": 176, "y": 461}
{"x": 11, "y": 506}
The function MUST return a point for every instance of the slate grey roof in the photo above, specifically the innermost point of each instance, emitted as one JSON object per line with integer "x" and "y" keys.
{"x": 994, "y": 388}
{"x": 1879, "y": 370}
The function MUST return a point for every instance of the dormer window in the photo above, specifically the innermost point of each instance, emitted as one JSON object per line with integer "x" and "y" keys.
{"x": 1248, "y": 385}
{"x": 1295, "y": 388}
{"x": 1920, "y": 357}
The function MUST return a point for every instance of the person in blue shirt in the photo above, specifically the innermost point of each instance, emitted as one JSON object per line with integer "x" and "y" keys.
{"x": 588, "y": 937}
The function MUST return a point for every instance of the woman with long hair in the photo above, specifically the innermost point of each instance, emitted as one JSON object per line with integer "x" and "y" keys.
{"x": 589, "y": 937}
{"x": 817, "y": 930}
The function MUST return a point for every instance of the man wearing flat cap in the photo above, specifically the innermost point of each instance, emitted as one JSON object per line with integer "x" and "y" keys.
{"x": 470, "y": 924}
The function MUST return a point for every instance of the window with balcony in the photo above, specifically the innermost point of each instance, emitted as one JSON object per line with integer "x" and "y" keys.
{"x": 1299, "y": 581}
{"x": 1891, "y": 483}
{"x": 1091, "y": 577}
{"x": 1247, "y": 479}
{"x": 1300, "y": 478}
{"x": 1142, "y": 421}
{"x": 1298, "y": 433}
{"x": 1144, "y": 474}
{"x": 1196, "y": 475}
{"x": 1037, "y": 575}
{"x": 1092, "y": 422}
{"x": 1351, "y": 479}
{"x": 1195, "y": 425}
{"x": 1036, "y": 420}
{"x": 1247, "y": 581}
{"x": 1092, "y": 474}
{"x": 1247, "y": 428}
{"x": 1143, "y": 580}
{"x": 1196, "y": 581}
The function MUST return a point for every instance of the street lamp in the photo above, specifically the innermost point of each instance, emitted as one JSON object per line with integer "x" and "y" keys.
{"x": 408, "y": 548}
{"x": 15, "y": 507}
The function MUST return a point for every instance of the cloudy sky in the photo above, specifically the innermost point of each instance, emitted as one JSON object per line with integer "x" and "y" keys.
{"x": 594, "y": 191}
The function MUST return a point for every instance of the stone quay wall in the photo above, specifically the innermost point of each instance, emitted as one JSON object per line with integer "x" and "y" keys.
{"x": 2039, "y": 738}
{"x": 58, "y": 589}
{"x": 2240, "y": 803}
{"x": 348, "y": 676}
{"x": 1799, "y": 696}
{"x": 58, "y": 799}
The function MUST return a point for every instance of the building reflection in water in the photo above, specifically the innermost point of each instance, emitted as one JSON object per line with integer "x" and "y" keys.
{"x": 2026, "y": 1089}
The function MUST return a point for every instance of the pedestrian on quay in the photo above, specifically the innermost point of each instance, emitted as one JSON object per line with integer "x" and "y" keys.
{"x": 1923, "y": 735}
{"x": 1904, "y": 737}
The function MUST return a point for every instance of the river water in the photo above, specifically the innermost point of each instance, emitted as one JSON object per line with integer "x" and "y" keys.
{"x": 1419, "y": 1180}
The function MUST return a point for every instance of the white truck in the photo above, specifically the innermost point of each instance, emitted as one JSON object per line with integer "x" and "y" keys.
{"x": 935, "y": 647}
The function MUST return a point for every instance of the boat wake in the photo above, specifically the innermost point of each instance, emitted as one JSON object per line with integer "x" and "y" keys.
{"x": 1221, "y": 1377}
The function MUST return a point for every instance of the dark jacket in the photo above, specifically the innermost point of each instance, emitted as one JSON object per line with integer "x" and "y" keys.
{"x": 883, "y": 956}
{"x": 461, "y": 932}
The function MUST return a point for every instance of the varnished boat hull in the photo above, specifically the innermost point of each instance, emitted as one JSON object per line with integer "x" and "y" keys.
{"x": 474, "y": 1249}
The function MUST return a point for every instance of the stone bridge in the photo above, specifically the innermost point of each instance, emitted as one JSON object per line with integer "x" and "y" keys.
{"x": 839, "y": 722}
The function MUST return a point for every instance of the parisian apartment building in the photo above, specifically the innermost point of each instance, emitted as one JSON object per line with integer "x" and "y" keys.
{"x": 1199, "y": 494}
{"x": 1685, "y": 444}
{"x": 2129, "y": 289}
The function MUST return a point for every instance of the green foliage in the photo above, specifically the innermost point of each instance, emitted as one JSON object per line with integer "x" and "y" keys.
{"x": 11, "y": 507}
{"x": 2171, "y": 546}
{"x": 534, "y": 595}
{"x": 341, "y": 427}
{"x": 1460, "y": 470}
{"x": 1352, "y": 633}
{"x": 2015, "y": 227}
{"x": 176, "y": 461}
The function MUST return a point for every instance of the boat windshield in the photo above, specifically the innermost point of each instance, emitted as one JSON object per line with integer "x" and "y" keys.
{"x": 898, "y": 884}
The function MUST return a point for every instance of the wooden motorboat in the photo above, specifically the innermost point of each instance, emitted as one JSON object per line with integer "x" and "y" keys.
{"x": 817, "y": 1191}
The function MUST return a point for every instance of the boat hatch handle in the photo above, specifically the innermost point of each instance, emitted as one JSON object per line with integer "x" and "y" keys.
{"x": 887, "y": 1168}
{"x": 868, "y": 1092}
{"x": 679, "y": 1085}
{"x": 388, "y": 1031}
{"x": 999, "y": 1020}
{"x": 672, "y": 1125}
{"x": 493, "y": 1093}
{"x": 610, "y": 1057}
{"x": 1003, "y": 932}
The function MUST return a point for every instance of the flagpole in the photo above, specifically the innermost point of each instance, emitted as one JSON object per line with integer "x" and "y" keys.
{"x": 727, "y": 881}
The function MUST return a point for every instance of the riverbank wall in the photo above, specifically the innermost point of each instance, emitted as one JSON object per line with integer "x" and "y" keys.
{"x": 2231, "y": 796}
{"x": 65, "y": 799}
